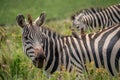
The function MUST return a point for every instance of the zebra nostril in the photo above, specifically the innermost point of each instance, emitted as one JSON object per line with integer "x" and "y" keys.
{"x": 36, "y": 59}
{"x": 41, "y": 56}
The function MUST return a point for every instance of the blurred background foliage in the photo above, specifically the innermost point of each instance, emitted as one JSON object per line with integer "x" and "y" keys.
{"x": 14, "y": 64}
{"x": 55, "y": 9}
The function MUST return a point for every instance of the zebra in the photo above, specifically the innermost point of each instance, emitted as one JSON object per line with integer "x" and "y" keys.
{"x": 51, "y": 53}
{"x": 79, "y": 14}
{"x": 101, "y": 18}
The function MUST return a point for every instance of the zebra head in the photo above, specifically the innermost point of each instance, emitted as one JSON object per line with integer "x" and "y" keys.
{"x": 77, "y": 20}
{"x": 33, "y": 40}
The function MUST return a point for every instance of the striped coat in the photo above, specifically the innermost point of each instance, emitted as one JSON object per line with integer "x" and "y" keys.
{"x": 101, "y": 18}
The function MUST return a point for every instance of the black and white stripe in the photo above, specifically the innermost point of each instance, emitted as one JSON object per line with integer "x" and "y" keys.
{"x": 88, "y": 11}
{"x": 101, "y": 18}
{"x": 102, "y": 47}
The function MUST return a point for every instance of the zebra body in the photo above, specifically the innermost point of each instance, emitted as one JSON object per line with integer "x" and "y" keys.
{"x": 51, "y": 53}
{"x": 101, "y": 18}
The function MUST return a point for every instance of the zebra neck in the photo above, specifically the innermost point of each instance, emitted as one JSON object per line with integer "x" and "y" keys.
{"x": 56, "y": 56}
{"x": 49, "y": 32}
{"x": 90, "y": 20}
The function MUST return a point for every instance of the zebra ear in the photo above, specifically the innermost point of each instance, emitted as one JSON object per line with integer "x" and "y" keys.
{"x": 29, "y": 19}
{"x": 40, "y": 20}
{"x": 21, "y": 20}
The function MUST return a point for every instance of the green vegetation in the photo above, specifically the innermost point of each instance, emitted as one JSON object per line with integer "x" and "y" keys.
{"x": 55, "y": 9}
{"x": 14, "y": 64}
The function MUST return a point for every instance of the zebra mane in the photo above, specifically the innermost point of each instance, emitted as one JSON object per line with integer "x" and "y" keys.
{"x": 51, "y": 31}
{"x": 55, "y": 34}
{"x": 64, "y": 36}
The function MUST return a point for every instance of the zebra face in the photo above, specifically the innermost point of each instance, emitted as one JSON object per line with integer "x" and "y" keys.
{"x": 33, "y": 40}
{"x": 77, "y": 21}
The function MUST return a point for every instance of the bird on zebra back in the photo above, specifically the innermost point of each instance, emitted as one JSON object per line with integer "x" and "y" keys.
{"x": 97, "y": 17}
{"x": 73, "y": 53}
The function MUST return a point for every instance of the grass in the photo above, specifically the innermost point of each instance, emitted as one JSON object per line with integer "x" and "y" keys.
{"x": 14, "y": 64}
{"x": 55, "y": 9}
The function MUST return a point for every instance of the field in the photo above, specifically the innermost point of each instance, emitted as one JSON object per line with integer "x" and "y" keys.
{"x": 14, "y": 64}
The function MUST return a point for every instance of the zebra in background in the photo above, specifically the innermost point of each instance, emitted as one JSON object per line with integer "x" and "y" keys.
{"x": 101, "y": 18}
{"x": 79, "y": 14}
{"x": 51, "y": 53}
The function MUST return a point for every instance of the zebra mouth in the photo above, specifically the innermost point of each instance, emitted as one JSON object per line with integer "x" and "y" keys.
{"x": 40, "y": 63}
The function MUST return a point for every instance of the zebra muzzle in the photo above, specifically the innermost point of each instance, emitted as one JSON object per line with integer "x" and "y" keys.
{"x": 39, "y": 60}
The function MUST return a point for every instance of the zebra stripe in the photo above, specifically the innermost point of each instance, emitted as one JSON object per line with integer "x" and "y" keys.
{"x": 102, "y": 47}
{"x": 90, "y": 11}
{"x": 101, "y": 18}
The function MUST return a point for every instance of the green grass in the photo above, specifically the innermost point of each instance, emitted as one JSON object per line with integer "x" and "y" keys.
{"x": 14, "y": 64}
{"x": 58, "y": 9}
